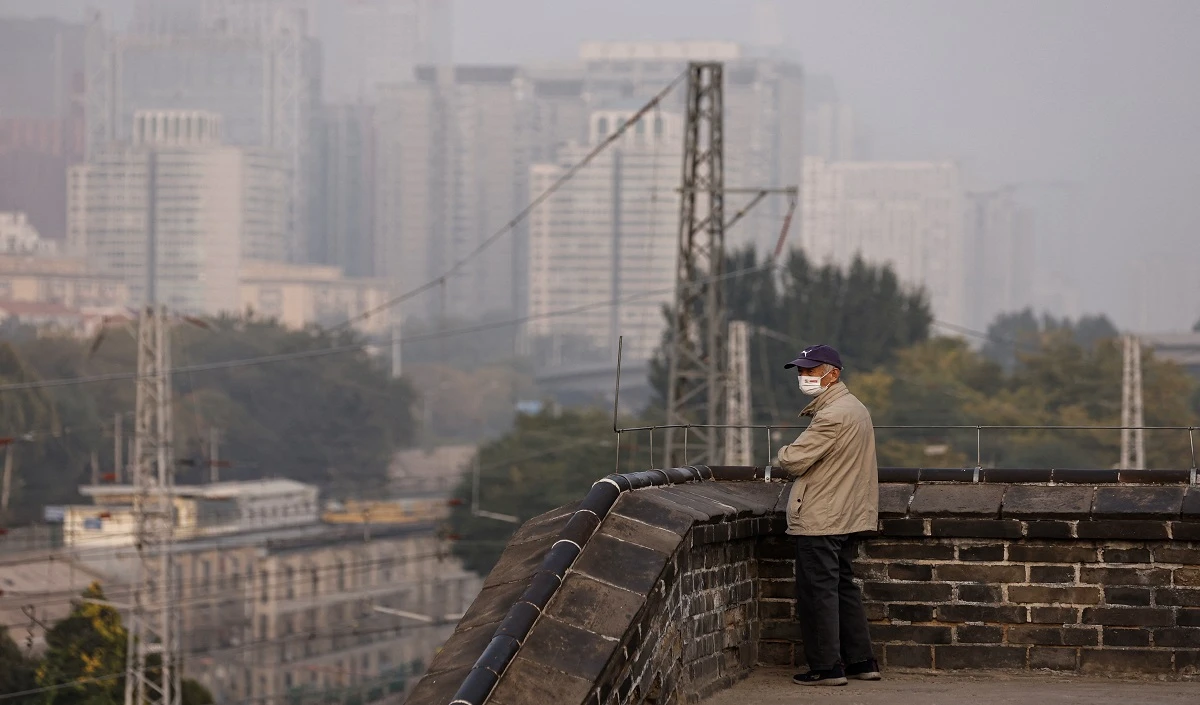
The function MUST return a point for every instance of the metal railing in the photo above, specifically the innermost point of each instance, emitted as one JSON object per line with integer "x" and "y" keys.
{"x": 978, "y": 429}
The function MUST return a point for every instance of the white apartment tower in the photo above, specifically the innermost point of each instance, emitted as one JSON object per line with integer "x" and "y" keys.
{"x": 453, "y": 167}
{"x": 250, "y": 61}
{"x": 174, "y": 195}
{"x": 906, "y": 214}
{"x": 1000, "y": 256}
{"x": 604, "y": 246}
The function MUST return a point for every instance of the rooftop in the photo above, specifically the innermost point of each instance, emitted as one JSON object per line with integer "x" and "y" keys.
{"x": 216, "y": 490}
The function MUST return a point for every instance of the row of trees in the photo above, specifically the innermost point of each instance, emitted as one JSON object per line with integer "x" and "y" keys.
{"x": 330, "y": 419}
{"x": 1030, "y": 371}
{"x": 83, "y": 664}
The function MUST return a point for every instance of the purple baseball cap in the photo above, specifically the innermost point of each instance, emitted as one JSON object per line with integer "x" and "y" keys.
{"x": 816, "y": 356}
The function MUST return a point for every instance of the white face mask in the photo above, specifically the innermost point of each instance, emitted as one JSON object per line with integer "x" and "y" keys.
{"x": 812, "y": 385}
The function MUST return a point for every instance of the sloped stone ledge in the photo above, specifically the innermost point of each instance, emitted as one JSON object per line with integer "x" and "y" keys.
{"x": 668, "y": 585}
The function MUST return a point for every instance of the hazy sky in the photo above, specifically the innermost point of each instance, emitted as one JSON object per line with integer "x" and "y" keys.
{"x": 1092, "y": 104}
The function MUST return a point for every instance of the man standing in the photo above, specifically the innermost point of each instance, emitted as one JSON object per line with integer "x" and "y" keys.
{"x": 835, "y": 495}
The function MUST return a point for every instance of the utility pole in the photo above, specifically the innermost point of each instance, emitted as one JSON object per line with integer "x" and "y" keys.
{"x": 214, "y": 455}
{"x": 118, "y": 439}
{"x": 696, "y": 386}
{"x": 737, "y": 440}
{"x": 1133, "y": 442}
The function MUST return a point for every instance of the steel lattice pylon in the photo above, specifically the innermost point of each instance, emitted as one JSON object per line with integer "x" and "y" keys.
{"x": 696, "y": 387}
{"x": 153, "y": 666}
{"x": 737, "y": 440}
{"x": 1133, "y": 443}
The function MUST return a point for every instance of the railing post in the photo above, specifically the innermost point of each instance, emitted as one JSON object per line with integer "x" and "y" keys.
{"x": 617, "y": 467}
{"x": 770, "y": 456}
{"x": 1192, "y": 446}
{"x": 651, "y": 447}
{"x": 685, "y": 443}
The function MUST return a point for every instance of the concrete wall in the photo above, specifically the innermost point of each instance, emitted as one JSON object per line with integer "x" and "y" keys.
{"x": 660, "y": 587}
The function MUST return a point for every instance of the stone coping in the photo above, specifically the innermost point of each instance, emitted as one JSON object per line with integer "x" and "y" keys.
{"x": 942, "y": 503}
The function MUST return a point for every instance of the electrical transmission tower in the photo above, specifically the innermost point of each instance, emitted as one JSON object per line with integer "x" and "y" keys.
{"x": 737, "y": 440}
{"x": 153, "y": 666}
{"x": 696, "y": 388}
{"x": 1133, "y": 442}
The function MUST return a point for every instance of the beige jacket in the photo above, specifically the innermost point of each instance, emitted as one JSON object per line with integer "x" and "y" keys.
{"x": 836, "y": 488}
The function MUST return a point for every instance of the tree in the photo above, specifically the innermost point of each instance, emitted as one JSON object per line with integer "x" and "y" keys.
{"x": 334, "y": 420}
{"x": 547, "y": 461}
{"x": 862, "y": 310}
{"x": 18, "y": 672}
{"x": 1011, "y": 334}
{"x": 86, "y": 653}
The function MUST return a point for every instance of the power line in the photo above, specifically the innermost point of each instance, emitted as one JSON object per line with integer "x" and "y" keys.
{"x": 523, "y": 213}
{"x": 323, "y": 352}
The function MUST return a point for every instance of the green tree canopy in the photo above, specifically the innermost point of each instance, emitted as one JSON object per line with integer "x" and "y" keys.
{"x": 18, "y": 672}
{"x": 545, "y": 462}
{"x": 863, "y": 311}
{"x": 334, "y": 420}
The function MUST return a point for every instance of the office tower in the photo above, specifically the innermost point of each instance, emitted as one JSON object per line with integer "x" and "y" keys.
{"x": 248, "y": 61}
{"x": 41, "y": 118}
{"x": 604, "y": 246}
{"x": 1001, "y": 263}
{"x": 376, "y": 42}
{"x": 764, "y": 108}
{"x": 175, "y": 197}
{"x": 905, "y": 214}
{"x": 342, "y": 231}
{"x": 831, "y": 129}
{"x": 452, "y": 170}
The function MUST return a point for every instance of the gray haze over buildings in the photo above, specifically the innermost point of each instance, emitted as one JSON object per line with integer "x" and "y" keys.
{"x": 1085, "y": 109}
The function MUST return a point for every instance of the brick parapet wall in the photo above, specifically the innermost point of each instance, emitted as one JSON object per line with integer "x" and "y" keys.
{"x": 682, "y": 589}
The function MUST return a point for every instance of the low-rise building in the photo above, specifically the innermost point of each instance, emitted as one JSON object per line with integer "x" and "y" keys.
{"x": 278, "y": 606}
{"x": 300, "y": 295}
{"x": 215, "y": 509}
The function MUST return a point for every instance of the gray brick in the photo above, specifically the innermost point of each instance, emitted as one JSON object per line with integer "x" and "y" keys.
{"x": 1138, "y": 501}
{"x": 1047, "y": 501}
{"x": 595, "y": 606}
{"x": 908, "y": 656}
{"x": 1181, "y": 597}
{"x": 1129, "y": 616}
{"x": 908, "y": 592}
{"x": 567, "y": 648}
{"x": 978, "y": 573}
{"x": 1053, "y": 636}
{"x": 978, "y": 634}
{"x": 894, "y": 498}
{"x": 1053, "y": 659}
{"x": 1124, "y": 576}
{"x": 526, "y": 681}
{"x": 1040, "y": 553}
{"x": 650, "y": 536}
{"x": 1117, "y": 636}
{"x": 627, "y": 565}
{"x": 1035, "y": 594}
{"x": 890, "y": 633}
{"x": 1010, "y": 614}
{"x": 956, "y": 500}
{"x": 957, "y": 657}
{"x": 1106, "y": 662}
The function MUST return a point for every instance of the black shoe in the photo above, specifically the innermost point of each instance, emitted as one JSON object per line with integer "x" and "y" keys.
{"x": 864, "y": 670}
{"x": 833, "y": 676}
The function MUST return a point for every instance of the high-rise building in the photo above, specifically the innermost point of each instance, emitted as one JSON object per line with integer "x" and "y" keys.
{"x": 383, "y": 42}
{"x": 174, "y": 195}
{"x": 604, "y": 245}
{"x": 249, "y": 61}
{"x": 1000, "y": 261}
{"x": 764, "y": 105}
{"x": 41, "y": 118}
{"x": 342, "y": 231}
{"x": 905, "y": 214}
{"x": 452, "y": 164}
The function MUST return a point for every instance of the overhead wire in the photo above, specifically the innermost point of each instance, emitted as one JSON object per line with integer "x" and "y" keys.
{"x": 523, "y": 213}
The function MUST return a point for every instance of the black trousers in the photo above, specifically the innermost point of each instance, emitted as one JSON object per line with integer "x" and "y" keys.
{"x": 829, "y": 605}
